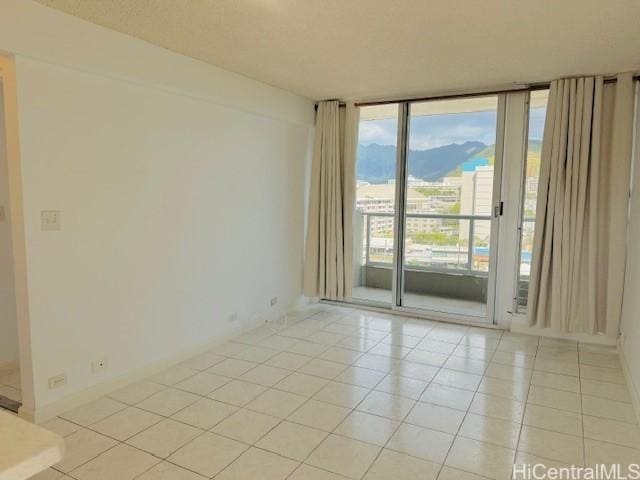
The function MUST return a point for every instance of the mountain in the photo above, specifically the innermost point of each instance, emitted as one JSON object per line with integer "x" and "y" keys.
{"x": 377, "y": 163}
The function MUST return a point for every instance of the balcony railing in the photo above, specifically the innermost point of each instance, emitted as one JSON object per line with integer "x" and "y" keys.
{"x": 462, "y": 257}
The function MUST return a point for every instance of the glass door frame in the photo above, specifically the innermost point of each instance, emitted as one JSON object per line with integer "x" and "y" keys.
{"x": 402, "y": 151}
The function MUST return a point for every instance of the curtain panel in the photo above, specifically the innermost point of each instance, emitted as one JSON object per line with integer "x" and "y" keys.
{"x": 329, "y": 244}
{"x": 577, "y": 273}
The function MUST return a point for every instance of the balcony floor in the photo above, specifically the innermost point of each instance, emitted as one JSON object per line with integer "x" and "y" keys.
{"x": 424, "y": 302}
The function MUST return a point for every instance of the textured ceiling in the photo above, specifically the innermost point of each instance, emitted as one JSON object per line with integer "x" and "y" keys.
{"x": 365, "y": 49}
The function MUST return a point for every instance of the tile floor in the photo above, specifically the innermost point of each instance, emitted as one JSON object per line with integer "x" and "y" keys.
{"x": 10, "y": 384}
{"x": 349, "y": 394}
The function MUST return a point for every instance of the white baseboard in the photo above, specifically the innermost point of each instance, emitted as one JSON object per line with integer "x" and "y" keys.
{"x": 73, "y": 400}
{"x": 517, "y": 327}
{"x": 634, "y": 390}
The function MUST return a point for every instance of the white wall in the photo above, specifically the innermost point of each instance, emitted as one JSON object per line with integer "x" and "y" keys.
{"x": 8, "y": 320}
{"x": 630, "y": 324}
{"x": 181, "y": 188}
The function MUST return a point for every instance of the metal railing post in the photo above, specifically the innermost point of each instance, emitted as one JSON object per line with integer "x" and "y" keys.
{"x": 368, "y": 238}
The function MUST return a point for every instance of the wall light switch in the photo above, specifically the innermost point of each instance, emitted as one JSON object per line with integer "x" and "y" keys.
{"x": 49, "y": 220}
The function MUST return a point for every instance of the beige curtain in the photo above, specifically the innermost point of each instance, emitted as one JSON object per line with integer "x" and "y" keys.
{"x": 579, "y": 246}
{"x": 329, "y": 252}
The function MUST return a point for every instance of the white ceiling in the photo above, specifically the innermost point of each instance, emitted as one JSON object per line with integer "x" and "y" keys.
{"x": 370, "y": 49}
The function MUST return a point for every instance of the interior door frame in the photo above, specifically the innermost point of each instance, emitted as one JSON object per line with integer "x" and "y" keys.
{"x": 397, "y": 289}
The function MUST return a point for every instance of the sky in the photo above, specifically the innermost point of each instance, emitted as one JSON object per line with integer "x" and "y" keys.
{"x": 431, "y": 131}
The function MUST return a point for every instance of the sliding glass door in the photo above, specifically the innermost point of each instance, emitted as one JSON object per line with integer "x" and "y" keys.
{"x": 427, "y": 204}
{"x": 451, "y": 206}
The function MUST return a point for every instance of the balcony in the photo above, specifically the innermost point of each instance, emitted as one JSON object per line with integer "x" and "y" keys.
{"x": 446, "y": 261}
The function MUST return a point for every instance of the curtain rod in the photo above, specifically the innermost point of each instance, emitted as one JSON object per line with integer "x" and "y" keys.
{"x": 529, "y": 88}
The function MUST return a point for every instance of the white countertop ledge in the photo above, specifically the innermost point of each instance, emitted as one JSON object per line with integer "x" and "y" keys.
{"x": 25, "y": 448}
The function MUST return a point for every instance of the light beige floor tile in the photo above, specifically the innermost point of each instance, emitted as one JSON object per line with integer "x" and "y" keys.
{"x": 452, "y": 378}
{"x": 202, "y": 383}
{"x": 498, "y": 407}
{"x": 321, "y": 415}
{"x": 164, "y": 438}
{"x": 82, "y": 446}
{"x": 136, "y": 392}
{"x": 344, "y": 456}
{"x": 467, "y": 365}
{"x": 94, "y": 411}
{"x": 237, "y": 392}
{"x": 602, "y": 374}
{"x": 447, "y": 396}
{"x": 265, "y": 375}
{"x": 173, "y": 375}
{"x": 490, "y": 430}
{"x": 387, "y": 350}
{"x": 552, "y": 419}
{"x": 208, "y": 454}
{"x": 278, "y": 342}
{"x": 403, "y": 386}
{"x": 302, "y": 384}
{"x": 203, "y": 361}
{"x": 448, "y": 473}
{"x": 258, "y": 464}
{"x": 276, "y": 403}
{"x": 168, "y": 402}
{"x": 386, "y": 405}
{"x": 558, "y": 382}
{"x": 255, "y": 354}
{"x": 481, "y": 458}
{"x": 367, "y": 428}
{"x": 472, "y": 352}
{"x": 426, "y": 357}
{"x": 204, "y": 413}
{"x": 126, "y": 423}
{"x": 504, "y": 388}
{"x": 552, "y": 445}
{"x": 341, "y": 355}
{"x": 600, "y": 359}
{"x": 325, "y": 338}
{"x": 231, "y": 368}
{"x": 554, "y": 365}
{"x": 521, "y": 360}
{"x": 342, "y": 394}
{"x": 323, "y": 368}
{"x": 305, "y": 347}
{"x": 168, "y": 471}
{"x": 246, "y": 426}
{"x": 613, "y": 431}
{"x": 435, "y": 346}
{"x": 361, "y": 377}
{"x": 292, "y": 440}
{"x": 288, "y": 361}
{"x": 602, "y": 407}
{"x": 436, "y": 417}
{"x": 307, "y": 472}
{"x": 548, "y": 397}
{"x": 61, "y": 426}
{"x": 421, "y": 442}
{"x": 612, "y": 391}
{"x": 508, "y": 372}
{"x": 597, "y": 452}
{"x": 418, "y": 371}
{"x": 399, "y": 466}
{"x": 122, "y": 462}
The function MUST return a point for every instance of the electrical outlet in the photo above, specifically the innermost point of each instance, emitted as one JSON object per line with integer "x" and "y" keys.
{"x": 49, "y": 220}
{"x": 58, "y": 381}
{"x": 99, "y": 365}
{"x": 274, "y": 300}
{"x": 233, "y": 317}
